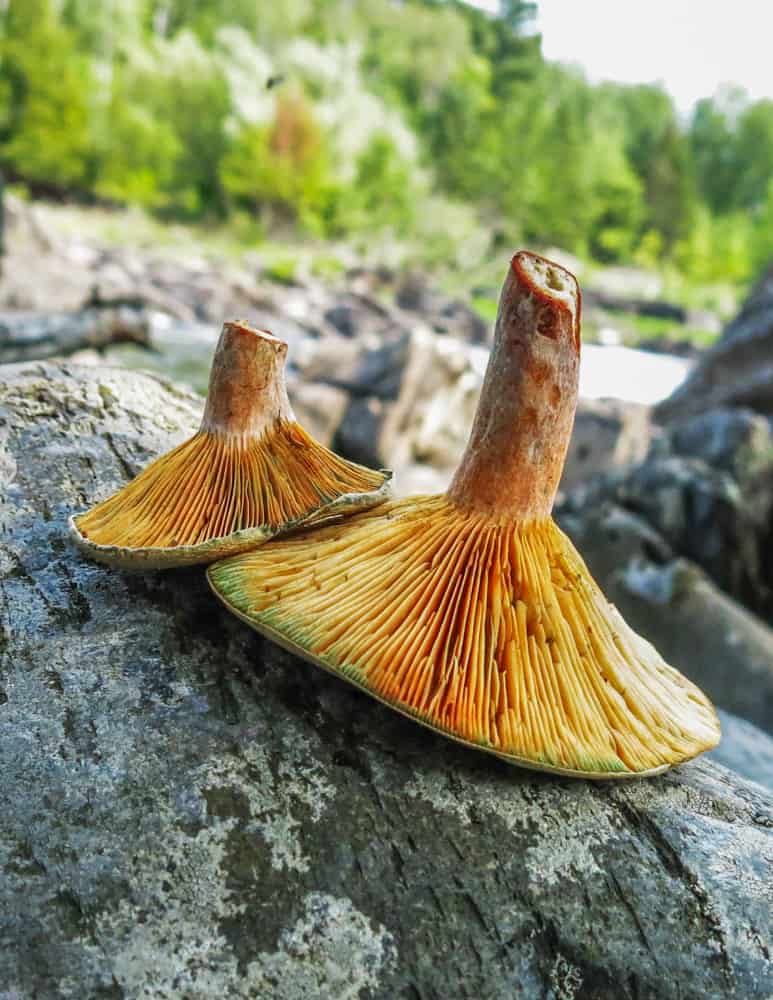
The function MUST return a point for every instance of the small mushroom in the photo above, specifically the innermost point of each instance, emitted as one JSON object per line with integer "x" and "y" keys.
{"x": 471, "y": 611}
{"x": 249, "y": 473}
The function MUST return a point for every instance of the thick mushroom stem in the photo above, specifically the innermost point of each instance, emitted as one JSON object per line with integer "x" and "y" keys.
{"x": 247, "y": 392}
{"x": 515, "y": 455}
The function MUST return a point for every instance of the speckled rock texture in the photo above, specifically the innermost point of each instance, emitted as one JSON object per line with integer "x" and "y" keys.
{"x": 187, "y": 811}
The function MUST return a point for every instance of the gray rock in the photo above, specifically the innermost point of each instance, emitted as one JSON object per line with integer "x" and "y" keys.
{"x": 745, "y": 749}
{"x": 412, "y": 402}
{"x": 736, "y": 441}
{"x": 33, "y": 336}
{"x": 737, "y": 371}
{"x": 319, "y": 408}
{"x": 607, "y": 434}
{"x": 707, "y": 635}
{"x": 715, "y": 517}
{"x": 190, "y": 812}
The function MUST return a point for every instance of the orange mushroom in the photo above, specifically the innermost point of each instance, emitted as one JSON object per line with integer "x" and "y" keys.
{"x": 472, "y": 612}
{"x": 250, "y": 473}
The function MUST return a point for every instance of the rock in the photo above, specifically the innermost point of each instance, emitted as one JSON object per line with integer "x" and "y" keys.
{"x": 189, "y": 811}
{"x": 35, "y": 336}
{"x": 379, "y": 372}
{"x": 711, "y": 638}
{"x": 660, "y": 309}
{"x": 319, "y": 408}
{"x": 413, "y": 292}
{"x": 456, "y": 319}
{"x": 607, "y": 434}
{"x": 343, "y": 318}
{"x": 357, "y": 435}
{"x": 745, "y": 749}
{"x": 756, "y": 314}
{"x": 439, "y": 389}
{"x": 412, "y": 402}
{"x": 737, "y": 371}
{"x": 737, "y": 441}
{"x": 444, "y": 315}
{"x": 713, "y": 504}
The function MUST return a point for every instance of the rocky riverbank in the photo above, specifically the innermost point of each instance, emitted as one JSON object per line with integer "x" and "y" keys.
{"x": 189, "y": 811}
{"x": 673, "y": 515}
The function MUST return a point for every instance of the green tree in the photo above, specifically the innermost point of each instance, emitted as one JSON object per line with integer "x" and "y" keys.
{"x": 384, "y": 193}
{"x": 281, "y": 170}
{"x": 268, "y": 23}
{"x": 658, "y": 151}
{"x": 104, "y": 29}
{"x": 179, "y": 87}
{"x": 754, "y": 154}
{"x": 714, "y": 155}
{"x": 138, "y": 153}
{"x": 461, "y": 134}
{"x": 762, "y": 240}
{"x": 45, "y": 87}
{"x": 402, "y": 57}
{"x": 506, "y": 42}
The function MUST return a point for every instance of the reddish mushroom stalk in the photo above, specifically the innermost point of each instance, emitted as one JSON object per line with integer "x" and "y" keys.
{"x": 517, "y": 447}
{"x": 249, "y": 473}
{"x": 471, "y": 611}
{"x": 247, "y": 392}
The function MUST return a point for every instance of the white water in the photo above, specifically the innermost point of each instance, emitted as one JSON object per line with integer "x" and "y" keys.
{"x": 628, "y": 374}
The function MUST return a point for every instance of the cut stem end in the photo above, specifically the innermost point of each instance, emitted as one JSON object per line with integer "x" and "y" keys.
{"x": 247, "y": 392}
{"x": 515, "y": 455}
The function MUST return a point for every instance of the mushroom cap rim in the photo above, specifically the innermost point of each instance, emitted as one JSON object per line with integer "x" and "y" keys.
{"x": 513, "y": 759}
{"x": 153, "y": 557}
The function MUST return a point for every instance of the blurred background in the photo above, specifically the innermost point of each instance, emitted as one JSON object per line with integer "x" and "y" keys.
{"x": 354, "y": 175}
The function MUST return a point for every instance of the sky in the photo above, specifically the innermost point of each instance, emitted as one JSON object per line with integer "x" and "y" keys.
{"x": 692, "y": 46}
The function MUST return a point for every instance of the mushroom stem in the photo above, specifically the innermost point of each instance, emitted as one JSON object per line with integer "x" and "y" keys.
{"x": 515, "y": 455}
{"x": 247, "y": 392}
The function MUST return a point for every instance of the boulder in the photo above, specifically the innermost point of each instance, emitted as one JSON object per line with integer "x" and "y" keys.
{"x": 444, "y": 315}
{"x": 413, "y": 399}
{"x": 745, "y": 749}
{"x": 706, "y": 487}
{"x": 737, "y": 371}
{"x": 707, "y": 635}
{"x": 607, "y": 434}
{"x": 319, "y": 408}
{"x": 33, "y": 336}
{"x": 189, "y": 811}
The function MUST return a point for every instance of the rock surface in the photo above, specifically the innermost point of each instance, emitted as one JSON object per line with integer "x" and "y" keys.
{"x": 707, "y": 635}
{"x": 745, "y": 749}
{"x": 738, "y": 370}
{"x": 706, "y": 488}
{"x": 188, "y": 811}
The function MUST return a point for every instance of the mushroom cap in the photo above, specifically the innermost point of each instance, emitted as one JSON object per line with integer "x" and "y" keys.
{"x": 250, "y": 473}
{"x": 217, "y": 495}
{"x": 489, "y": 631}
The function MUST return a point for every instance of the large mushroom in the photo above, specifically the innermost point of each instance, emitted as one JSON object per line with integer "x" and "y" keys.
{"x": 250, "y": 473}
{"x": 471, "y": 611}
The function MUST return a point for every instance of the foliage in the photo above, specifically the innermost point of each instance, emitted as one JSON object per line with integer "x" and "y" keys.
{"x": 429, "y": 122}
{"x": 281, "y": 169}
{"x": 44, "y": 99}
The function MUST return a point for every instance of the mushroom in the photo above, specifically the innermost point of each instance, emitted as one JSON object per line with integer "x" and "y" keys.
{"x": 250, "y": 472}
{"x": 471, "y": 611}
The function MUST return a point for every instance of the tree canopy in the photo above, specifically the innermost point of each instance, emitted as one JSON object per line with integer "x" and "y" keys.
{"x": 352, "y": 116}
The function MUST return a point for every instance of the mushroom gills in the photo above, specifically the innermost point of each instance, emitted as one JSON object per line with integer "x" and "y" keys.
{"x": 249, "y": 473}
{"x": 210, "y": 487}
{"x": 489, "y": 631}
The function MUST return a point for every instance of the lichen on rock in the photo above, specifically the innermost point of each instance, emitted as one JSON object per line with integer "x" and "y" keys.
{"x": 189, "y": 811}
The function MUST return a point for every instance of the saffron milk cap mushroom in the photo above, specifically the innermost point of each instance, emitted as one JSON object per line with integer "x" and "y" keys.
{"x": 248, "y": 474}
{"x": 471, "y": 611}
